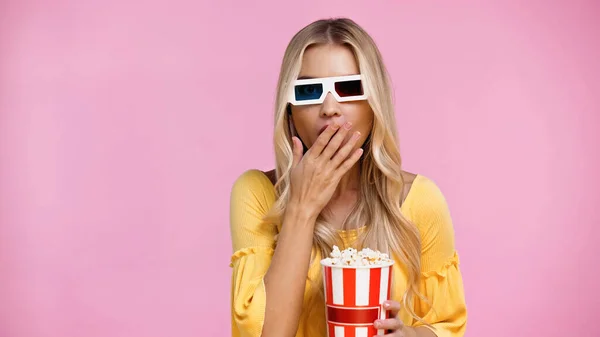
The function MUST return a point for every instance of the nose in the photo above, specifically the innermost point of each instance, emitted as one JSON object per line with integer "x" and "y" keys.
{"x": 330, "y": 106}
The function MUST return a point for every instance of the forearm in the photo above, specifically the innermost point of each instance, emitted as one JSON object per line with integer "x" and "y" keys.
{"x": 286, "y": 278}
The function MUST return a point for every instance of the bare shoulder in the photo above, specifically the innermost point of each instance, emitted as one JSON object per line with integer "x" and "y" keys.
{"x": 408, "y": 178}
{"x": 272, "y": 175}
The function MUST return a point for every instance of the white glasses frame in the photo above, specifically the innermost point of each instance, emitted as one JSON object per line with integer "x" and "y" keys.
{"x": 328, "y": 84}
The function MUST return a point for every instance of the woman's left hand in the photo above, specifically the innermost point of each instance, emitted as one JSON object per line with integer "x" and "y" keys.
{"x": 394, "y": 325}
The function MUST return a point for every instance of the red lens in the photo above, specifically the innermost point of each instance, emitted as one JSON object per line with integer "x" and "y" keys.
{"x": 349, "y": 88}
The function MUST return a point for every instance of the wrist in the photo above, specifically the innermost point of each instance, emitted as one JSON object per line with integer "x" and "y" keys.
{"x": 409, "y": 331}
{"x": 420, "y": 331}
{"x": 300, "y": 213}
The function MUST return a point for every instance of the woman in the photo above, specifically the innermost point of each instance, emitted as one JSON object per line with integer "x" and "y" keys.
{"x": 338, "y": 181}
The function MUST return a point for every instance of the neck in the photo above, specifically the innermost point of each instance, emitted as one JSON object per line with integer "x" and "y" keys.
{"x": 349, "y": 184}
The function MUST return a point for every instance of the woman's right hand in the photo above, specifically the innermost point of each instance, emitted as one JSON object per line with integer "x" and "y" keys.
{"x": 316, "y": 174}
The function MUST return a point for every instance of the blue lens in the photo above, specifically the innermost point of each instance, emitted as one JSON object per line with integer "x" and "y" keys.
{"x": 305, "y": 92}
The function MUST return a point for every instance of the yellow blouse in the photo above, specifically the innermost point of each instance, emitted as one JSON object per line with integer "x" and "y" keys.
{"x": 253, "y": 245}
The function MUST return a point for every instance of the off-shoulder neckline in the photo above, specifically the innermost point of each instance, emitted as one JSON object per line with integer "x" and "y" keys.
{"x": 354, "y": 232}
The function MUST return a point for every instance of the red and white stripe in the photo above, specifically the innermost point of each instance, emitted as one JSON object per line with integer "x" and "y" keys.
{"x": 354, "y": 297}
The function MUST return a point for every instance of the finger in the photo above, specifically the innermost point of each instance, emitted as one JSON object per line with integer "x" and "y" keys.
{"x": 345, "y": 150}
{"x": 388, "y": 324}
{"x": 393, "y": 307}
{"x": 346, "y": 165}
{"x": 323, "y": 139}
{"x": 297, "y": 150}
{"x": 336, "y": 141}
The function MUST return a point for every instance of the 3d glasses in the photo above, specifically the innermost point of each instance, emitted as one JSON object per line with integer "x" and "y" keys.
{"x": 314, "y": 90}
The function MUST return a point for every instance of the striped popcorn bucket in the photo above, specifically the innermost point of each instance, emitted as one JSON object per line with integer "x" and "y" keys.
{"x": 354, "y": 298}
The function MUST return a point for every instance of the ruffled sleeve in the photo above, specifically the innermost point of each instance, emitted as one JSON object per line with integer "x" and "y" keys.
{"x": 253, "y": 242}
{"x": 441, "y": 280}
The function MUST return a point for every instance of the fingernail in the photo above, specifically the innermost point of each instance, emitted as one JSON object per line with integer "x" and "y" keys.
{"x": 348, "y": 125}
{"x": 386, "y": 305}
{"x": 356, "y": 134}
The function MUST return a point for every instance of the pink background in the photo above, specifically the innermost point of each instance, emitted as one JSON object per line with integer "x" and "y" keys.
{"x": 123, "y": 126}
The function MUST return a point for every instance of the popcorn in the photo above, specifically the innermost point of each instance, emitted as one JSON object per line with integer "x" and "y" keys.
{"x": 354, "y": 258}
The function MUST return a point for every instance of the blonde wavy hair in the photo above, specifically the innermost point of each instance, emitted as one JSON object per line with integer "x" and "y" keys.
{"x": 381, "y": 181}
